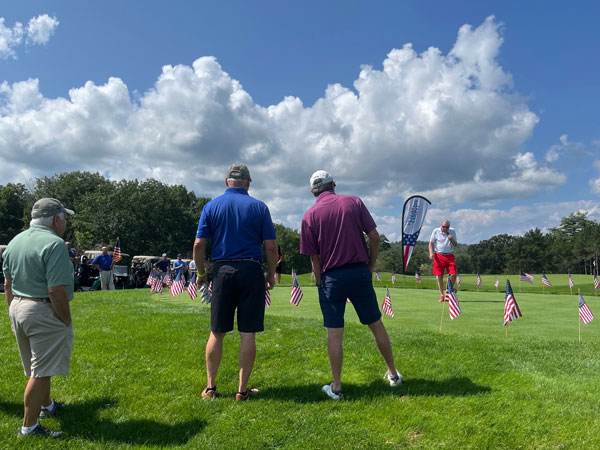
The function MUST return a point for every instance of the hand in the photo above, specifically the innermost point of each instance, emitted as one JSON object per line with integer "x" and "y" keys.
{"x": 431, "y": 256}
{"x": 269, "y": 282}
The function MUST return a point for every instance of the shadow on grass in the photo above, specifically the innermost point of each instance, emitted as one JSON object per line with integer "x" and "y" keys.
{"x": 453, "y": 387}
{"x": 81, "y": 420}
{"x": 311, "y": 393}
{"x": 13, "y": 409}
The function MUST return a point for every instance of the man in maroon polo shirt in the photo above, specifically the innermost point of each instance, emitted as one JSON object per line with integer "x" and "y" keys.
{"x": 333, "y": 235}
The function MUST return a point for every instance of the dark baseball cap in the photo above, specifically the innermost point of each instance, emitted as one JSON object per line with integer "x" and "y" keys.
{"x": 48, "y": 207}
{"x": 238, "y": 172}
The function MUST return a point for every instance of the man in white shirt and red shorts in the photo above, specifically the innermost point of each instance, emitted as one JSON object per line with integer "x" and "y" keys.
{"x": 441, "y": 251}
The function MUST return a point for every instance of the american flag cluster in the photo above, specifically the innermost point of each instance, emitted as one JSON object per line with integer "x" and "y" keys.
{"x": 156, "y": 281}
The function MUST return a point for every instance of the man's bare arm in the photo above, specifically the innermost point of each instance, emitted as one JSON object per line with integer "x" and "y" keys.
{"x": 60, "y": 303}
{"x": 199, "y": 255}
{"x": 374, "y": 242}
{"x": 271, "y": 251}
{"x": 8, "y": 290}
{"x": 315, "y": 260}
{"x": 431, "y": 250}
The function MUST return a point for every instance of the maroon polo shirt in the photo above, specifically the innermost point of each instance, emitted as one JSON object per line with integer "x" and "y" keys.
{"x": 333, "y": 228}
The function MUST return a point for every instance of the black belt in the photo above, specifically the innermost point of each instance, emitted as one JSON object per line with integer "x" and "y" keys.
{"x": 258, "y": 260}
{"x": 445, "y": 254}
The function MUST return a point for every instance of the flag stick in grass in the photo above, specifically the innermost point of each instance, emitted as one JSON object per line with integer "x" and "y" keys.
{"x": 585, "y": 315}
{"x": 511, "y": 308}
{"x": 579, "y": 317}
{"x": 442, "y": 319}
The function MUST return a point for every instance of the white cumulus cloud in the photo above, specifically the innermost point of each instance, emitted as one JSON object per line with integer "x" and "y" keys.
{"x": 41, "y": 28}
{"x": 10, "y": 37}
{"x": 38, "y": 31}
{"x": 451, "y": 126}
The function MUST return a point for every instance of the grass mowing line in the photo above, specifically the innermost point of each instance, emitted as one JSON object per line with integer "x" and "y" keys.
{"x": 467, "y": 387}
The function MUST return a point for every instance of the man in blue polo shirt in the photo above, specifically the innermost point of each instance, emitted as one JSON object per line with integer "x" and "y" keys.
{"x": 104, "y": 263}
{"x": 179, "y": 265}
{"x": 237, "y": 224}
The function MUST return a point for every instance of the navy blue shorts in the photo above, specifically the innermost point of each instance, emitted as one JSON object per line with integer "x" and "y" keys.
{"x": 353, "y": 281}
{"x": 238, "y": 285}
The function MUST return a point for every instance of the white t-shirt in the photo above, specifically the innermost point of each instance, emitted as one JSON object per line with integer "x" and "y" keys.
{"x": 441, "y": 243}
{"x": 192, "y": 265}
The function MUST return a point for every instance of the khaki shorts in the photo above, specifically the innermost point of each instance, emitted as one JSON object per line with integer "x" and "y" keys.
{"x": 45, "y": 342}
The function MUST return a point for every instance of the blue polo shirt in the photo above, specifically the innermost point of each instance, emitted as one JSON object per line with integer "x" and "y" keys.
{"x": 178, "y": 266}
{"x": 237, "y": 224}
{"x": 103, "y": 261}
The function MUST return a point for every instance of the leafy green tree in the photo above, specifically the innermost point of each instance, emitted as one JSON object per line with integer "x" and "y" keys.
{"x": 15, "y": 207}
{"x": 289, "y": 241}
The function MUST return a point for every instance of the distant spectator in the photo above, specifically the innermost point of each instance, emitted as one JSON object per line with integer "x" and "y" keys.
{"x": 162, "y": 265}
{"x": 179, "y": 265}
{"x": 104, "y": 263}
{"x": 279, "y": 264}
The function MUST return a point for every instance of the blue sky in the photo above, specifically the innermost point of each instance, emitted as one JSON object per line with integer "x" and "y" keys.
{"x": 492, "y": 112}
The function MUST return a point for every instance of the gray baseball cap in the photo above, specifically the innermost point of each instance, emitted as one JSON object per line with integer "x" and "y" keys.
{"x": 238, "y": 172}
{"x": 48, "y": 207}
{"x": 319, "y": 178}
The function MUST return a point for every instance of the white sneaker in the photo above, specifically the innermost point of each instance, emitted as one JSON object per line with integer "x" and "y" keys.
{"x": 328, "y": 389}
{"x": 393, "y": 380}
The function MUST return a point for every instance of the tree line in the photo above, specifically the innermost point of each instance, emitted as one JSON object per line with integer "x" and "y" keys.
{"x": 149, "y": 217}
{"x": 152, "y": 218}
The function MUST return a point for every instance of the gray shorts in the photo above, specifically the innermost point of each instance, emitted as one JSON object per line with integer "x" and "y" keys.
{"x": 45, "y": 342}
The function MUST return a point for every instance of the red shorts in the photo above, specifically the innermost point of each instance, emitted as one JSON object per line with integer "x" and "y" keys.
{"x": 441, "y": 262}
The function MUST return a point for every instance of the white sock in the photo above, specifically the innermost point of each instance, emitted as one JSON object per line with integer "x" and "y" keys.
{"x": 27, "y": 430}
{"x": 50, "y": 407}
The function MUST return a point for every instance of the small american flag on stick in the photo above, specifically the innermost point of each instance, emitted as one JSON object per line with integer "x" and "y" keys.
{"x": 452, "y": 301}
{"x": 511, "y": 309}
{"x": 571, "y": 284}
{"x": 192, "y": 290}
{"x": 526, "y": 277}
{"x": 116, "y": 256}
{"x": 177, "y": 285}
{"x": 267, "y": 298}
{"x": 585, "y": 314}
{"x": 387, "y": 304}
{"x": 545, "y": 280}
{"x": 296, "y": 294}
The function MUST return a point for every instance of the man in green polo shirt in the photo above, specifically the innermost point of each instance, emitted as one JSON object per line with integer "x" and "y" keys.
{"x": 38, "y": 287}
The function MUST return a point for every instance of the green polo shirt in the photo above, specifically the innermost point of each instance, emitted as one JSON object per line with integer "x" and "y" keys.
{"x": 37, "y": 259}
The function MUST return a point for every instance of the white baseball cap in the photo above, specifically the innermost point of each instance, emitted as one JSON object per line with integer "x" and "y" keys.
{"x": 319, "y": 178}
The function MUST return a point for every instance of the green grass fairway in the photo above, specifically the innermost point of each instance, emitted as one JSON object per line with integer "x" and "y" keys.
{"x": 560, "y": 283}
{"x": 138, "y": 371}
